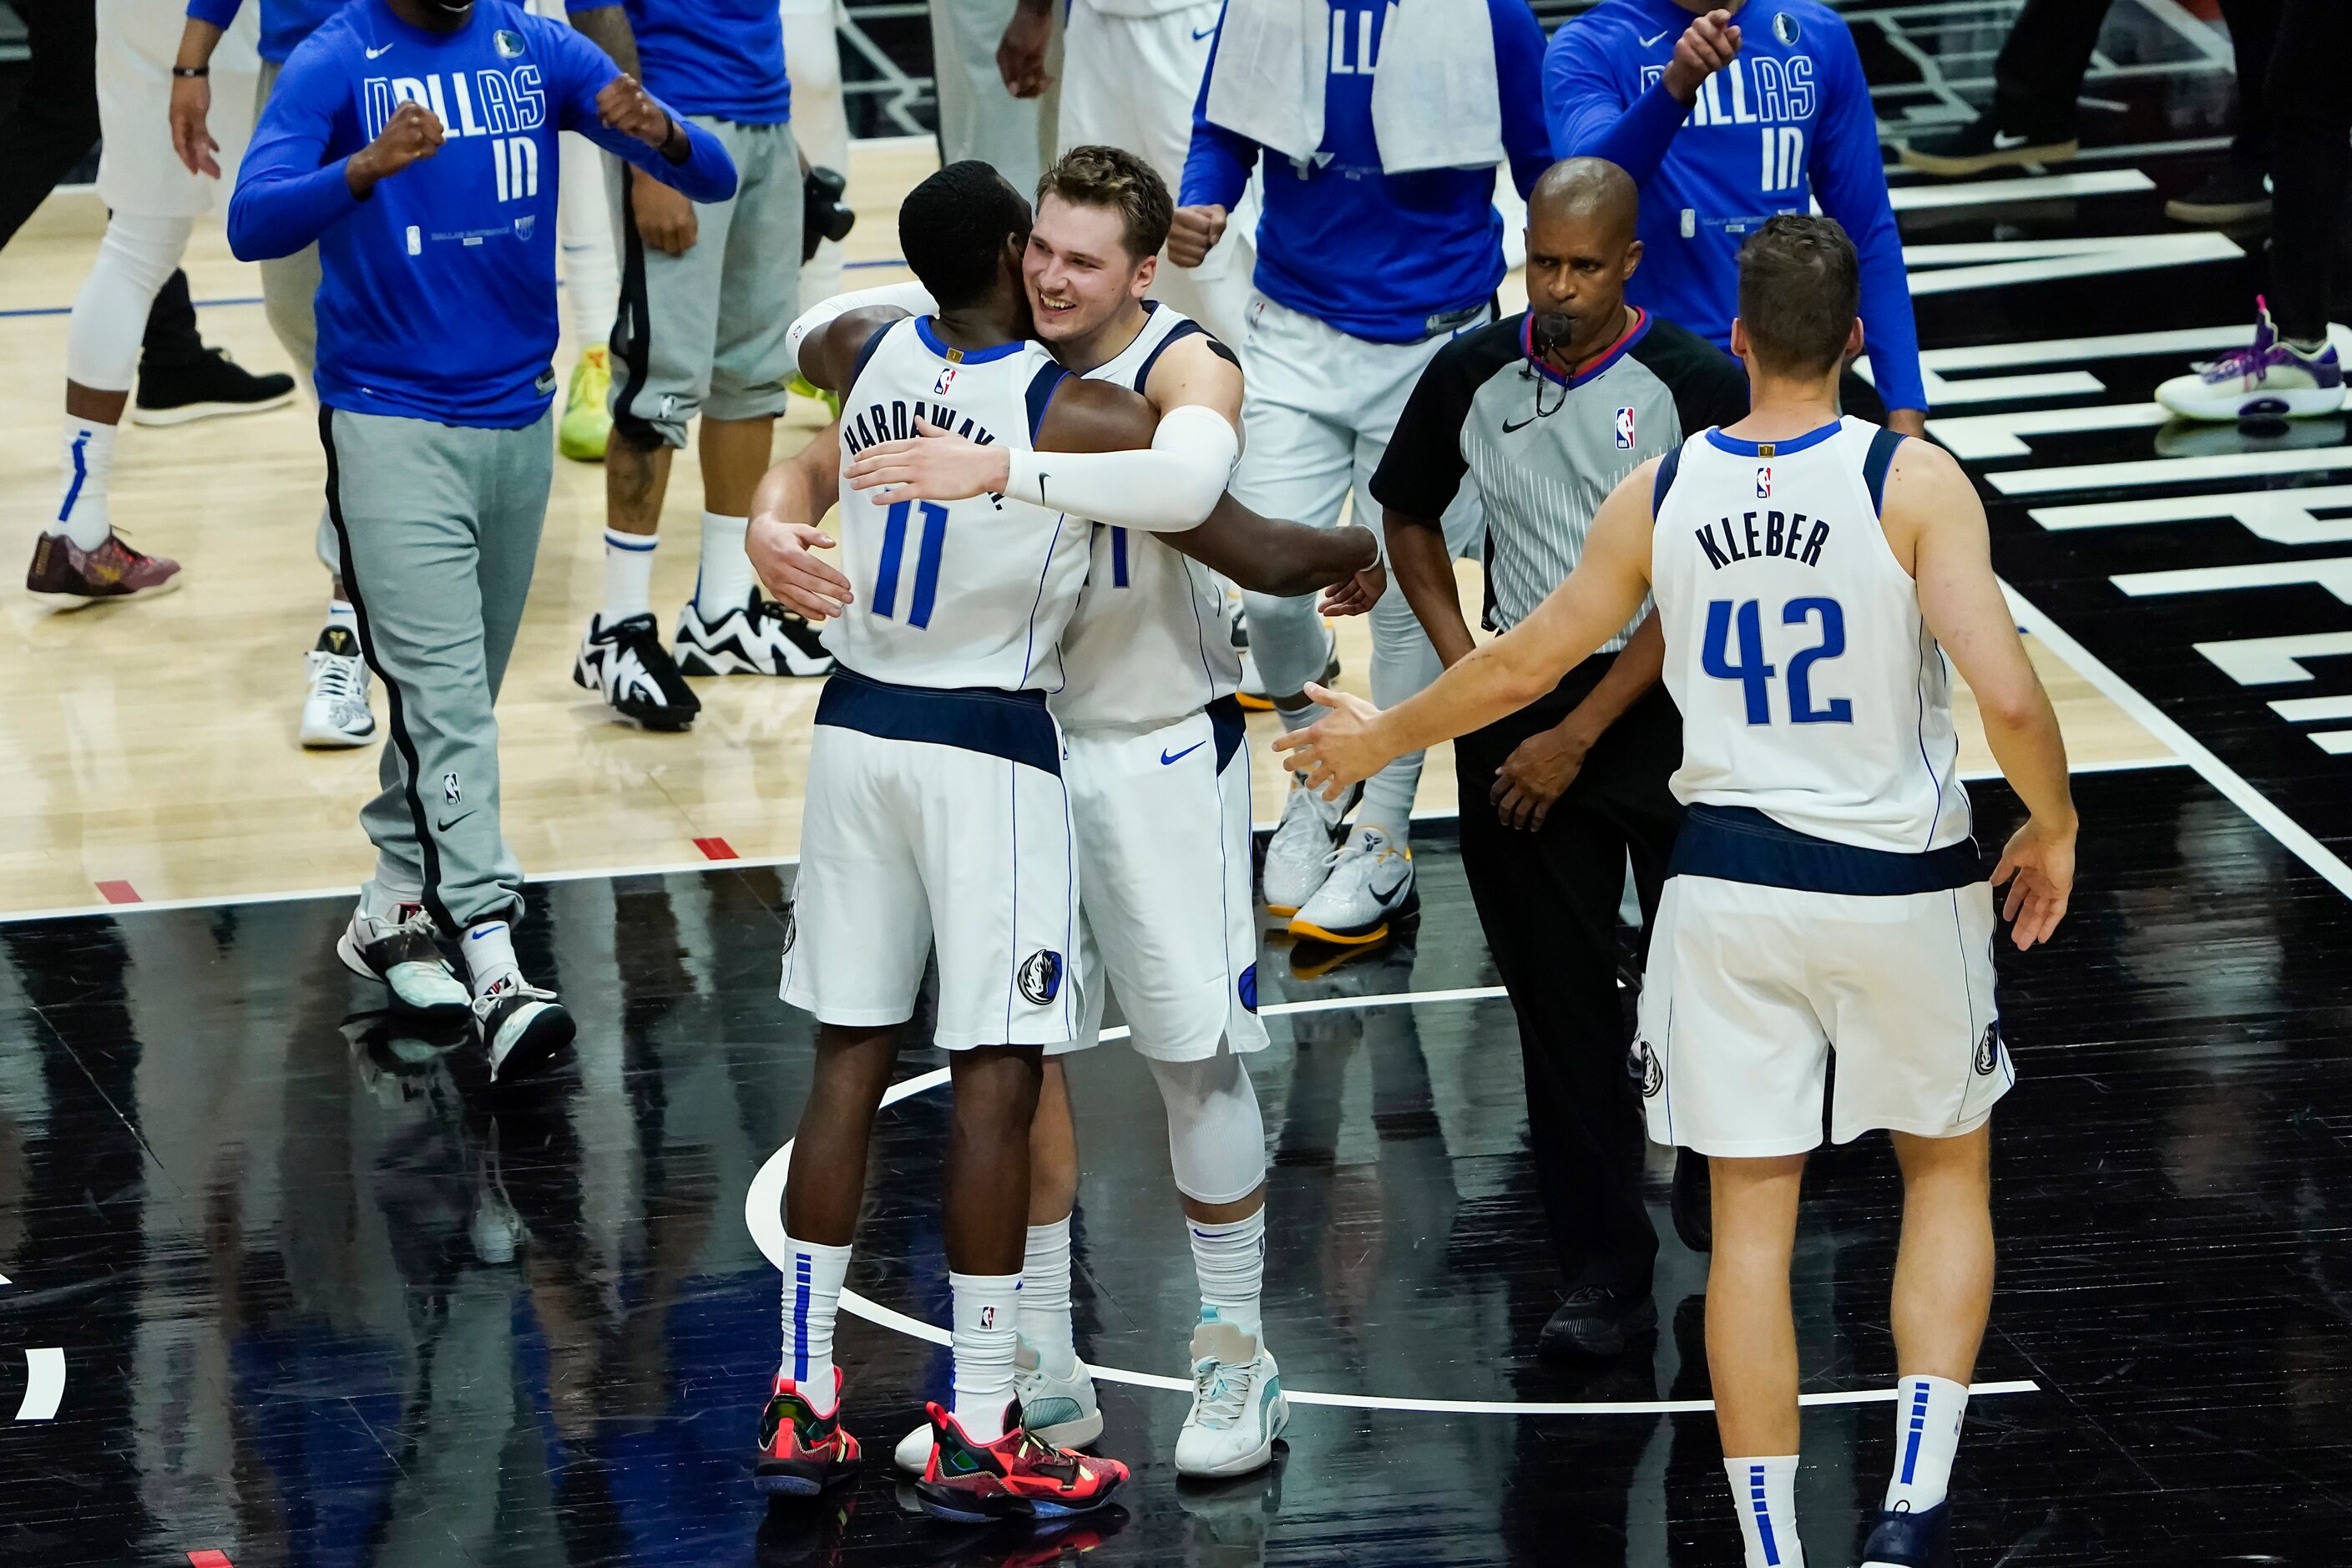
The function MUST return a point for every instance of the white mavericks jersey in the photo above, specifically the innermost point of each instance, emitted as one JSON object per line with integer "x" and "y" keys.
{"x": 1811, "y": 688}
{"x": 957, "y": 594}
{"x": 1147, "y": 645}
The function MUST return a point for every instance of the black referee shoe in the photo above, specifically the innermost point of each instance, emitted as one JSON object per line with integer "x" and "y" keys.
{"x": 1985, "y": 143}
{"x": 208, "y": 387}
{"x": 1598, "y": 1322}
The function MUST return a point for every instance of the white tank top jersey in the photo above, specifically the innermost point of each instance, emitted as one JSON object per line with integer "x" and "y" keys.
{"x": 1811, "y": 688}
{"x": 1147, "y": 645}
{"x": 957, "y": 594}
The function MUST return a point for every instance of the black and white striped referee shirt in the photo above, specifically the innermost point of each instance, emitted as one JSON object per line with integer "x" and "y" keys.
{"x": 1546, "y": 449}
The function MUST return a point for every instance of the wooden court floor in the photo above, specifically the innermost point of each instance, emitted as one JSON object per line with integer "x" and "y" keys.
{"x": 148, "y": 751}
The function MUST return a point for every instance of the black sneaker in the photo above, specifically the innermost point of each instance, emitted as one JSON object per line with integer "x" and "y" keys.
{"x": 627, "y": 663}
{"x": 1905, "y": 1540}
{"x": 759, "y": 636}
{"x": 1693, "y": 1201}
{"x": 525, "y": 1029}
{"x": 1983, "y": 144}
{"x": 2235, "y": 192}
{"x": 1598, "y": 1322}
{"x": 207, "y": 388}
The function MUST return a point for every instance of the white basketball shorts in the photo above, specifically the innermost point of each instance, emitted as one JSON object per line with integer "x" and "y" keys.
{"x": 1163, "y": 826}
{"x": 936, "y": 817}
{"x": 1752, "y": 987}
{"x": 138, "y": 173}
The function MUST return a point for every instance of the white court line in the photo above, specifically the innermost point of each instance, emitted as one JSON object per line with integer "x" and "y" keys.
{"x": 44, "y": 1383}
{"x": 763, "y": 1217}
{"x": 2028, "y": 188}
{"x": 2291, "y": 834}
{"x": 747, "y": 862}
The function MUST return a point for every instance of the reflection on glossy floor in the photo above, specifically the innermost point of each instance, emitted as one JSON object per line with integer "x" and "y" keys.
{"x": 324, "y": 1303}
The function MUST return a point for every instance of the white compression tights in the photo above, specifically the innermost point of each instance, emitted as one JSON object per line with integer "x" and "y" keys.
{"x": 110, "y": 315}
{"x": 1216, "y": 1137}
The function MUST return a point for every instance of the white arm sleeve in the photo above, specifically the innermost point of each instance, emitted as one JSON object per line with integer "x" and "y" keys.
{"x": 909, "y": 297}
{"x": 1172, "y": 487}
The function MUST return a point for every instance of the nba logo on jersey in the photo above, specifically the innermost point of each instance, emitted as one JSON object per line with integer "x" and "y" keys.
{"x": 1624, "y": 429}
{"x": 1764, "y": 484}
{"x": 946, "y": 380}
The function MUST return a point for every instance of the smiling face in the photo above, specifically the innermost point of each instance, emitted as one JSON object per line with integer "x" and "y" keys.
{"x": 1079, "y": 274}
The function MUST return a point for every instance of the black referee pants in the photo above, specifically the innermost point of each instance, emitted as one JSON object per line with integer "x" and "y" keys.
{"x": 2039, "y": 74}
{"x": 1548, "y": 902}
{"x": 2311, "y": 173}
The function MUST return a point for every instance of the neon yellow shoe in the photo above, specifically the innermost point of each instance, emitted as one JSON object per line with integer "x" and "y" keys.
{"x": 804, "y": 387}
{"x": 587, "y": 423}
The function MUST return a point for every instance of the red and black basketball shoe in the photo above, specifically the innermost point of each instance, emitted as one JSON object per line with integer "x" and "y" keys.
{"x": 803, "y": 1453}
{"x": 1016, "y": 1477}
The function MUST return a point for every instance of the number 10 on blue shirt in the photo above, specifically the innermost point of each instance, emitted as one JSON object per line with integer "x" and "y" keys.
{"x": 927, "y": 562}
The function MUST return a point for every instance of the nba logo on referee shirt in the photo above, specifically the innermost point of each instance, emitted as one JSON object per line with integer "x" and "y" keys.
{"x": 1764, "y": 484}
{"x": 1624, "y": 429}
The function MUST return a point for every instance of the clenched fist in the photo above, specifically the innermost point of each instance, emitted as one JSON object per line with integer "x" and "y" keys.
{"x": 1195, "y": 233}
{"x": 630, "y": 109}
{"x": 410, "y": 136}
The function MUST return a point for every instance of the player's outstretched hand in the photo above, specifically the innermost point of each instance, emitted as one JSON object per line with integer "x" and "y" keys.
{"x": 801, "y": 583}
{"x": 410, "y": 136}
{"x": 192, "y": 105}
{"x": 1706, "y": 46}
{"x": 932, "y": 465}
{"x": 1357, "y": 594}
{"x": 1340, "y": 749}
{"x": 1193, "y": 233}
{"x": 2038, "y": 868}
{"x": 1021, "y": 53}
{"x": 629, "y": 109}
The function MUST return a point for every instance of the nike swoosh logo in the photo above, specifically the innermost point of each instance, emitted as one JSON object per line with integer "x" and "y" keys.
{"x": 1652, "y": 41}
{"x": 386, "y": 49}
{"x": 1203, "y": 33}
{"x": 1165, "y": 759}
{"x": 1508, "y": 426}
{"x": 449, "y": 822}
{"x": 2003, "y": 142}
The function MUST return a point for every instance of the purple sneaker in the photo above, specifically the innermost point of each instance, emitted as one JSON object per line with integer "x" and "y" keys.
{"x": 66, "y": 575}
{"x": 2268, "y": 380}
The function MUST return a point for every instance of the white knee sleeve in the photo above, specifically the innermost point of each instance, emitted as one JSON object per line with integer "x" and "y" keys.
{"x": 1217, "y": 1139}
{"x": 110, "y": 314}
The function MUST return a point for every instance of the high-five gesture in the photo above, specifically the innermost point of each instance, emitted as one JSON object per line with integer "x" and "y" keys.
{"x": 629, "y": 109}
{"x": 410, "y": 136}
{"x": 1707, "y": 47}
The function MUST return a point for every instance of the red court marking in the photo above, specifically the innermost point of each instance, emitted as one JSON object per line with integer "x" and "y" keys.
{"x": 123, "y": 893}
{"x": 209, "y": 1558}
{"x": 716, "y": 849}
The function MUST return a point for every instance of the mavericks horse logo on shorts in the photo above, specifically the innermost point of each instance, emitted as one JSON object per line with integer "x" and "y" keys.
{"x": 1989, "y": 1049}
{"x": 792, "y": 926}
{"x": 1653, "y": 1071}
{"x": 1040, "y": 975}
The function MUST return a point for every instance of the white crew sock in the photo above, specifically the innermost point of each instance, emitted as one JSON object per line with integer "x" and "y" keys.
{"x": 1045, "y": 1295}
{"x": 1229, "y": 1258}
{"x": 629, "y": 574}
{"x": 1764, "y": 1495}
{"x": 489, "y": 955}
{"x": 725, "y": 582}
{"x": 1927, "y": 1416}
{"x": 987, "y": 1315}
{"x": 340, "y": 613}
{"x": 86, "y": 464}
{"x": 812, "y": 1300}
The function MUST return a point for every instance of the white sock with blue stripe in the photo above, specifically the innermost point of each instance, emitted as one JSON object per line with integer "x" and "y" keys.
{"x": 85, "y": 462}
{"x": 1764, "y": 1495}
{"x": 1927, "y": 1416}
{"x": 812, "y": 1280}
{"x": 629, "y": 574}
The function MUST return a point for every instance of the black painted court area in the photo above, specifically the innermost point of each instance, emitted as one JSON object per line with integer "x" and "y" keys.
{"x": 322, "y": 1305}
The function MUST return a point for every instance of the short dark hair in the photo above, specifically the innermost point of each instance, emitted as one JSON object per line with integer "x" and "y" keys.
{"x": 952, "y": 228}
{"x": 1116, "y": 178}
{"x": 1800, "y": 290}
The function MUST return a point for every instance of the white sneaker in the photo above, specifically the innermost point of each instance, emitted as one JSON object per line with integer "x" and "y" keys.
{"x": 2268, "y": 379}
{"x": 335, "y": 712}
{"x": 523, "y": 1028}
{"x": 1371, "y": 884}
{"x": 1299, "y": 855}
{"x": 758, "y": 637}
{"x": 1060, "y": 1412}
{"x": 1238, "y": 1409}
{"x": 401, "y": 952}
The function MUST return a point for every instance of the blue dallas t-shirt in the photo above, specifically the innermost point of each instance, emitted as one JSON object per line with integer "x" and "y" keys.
{"x": 724, "y": 58}
{"x": 1378, "y": 256}
{"x": 1788, "y": 120}
{"x": 436, "y": 296}
{"x": 284, "y": 23}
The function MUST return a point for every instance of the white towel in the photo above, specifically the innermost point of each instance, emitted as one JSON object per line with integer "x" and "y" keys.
{"x": 1435, "y": 101}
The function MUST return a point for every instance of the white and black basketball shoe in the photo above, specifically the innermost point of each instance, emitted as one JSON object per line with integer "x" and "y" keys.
{"x": 401, "y": 952}
{"x": 524, "y": 1028}
{"x": 758, "y": 637}
{"x": 627, "y": 663}
{"x": 335, "y": 711}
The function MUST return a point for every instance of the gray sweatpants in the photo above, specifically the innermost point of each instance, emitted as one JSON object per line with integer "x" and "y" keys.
{"x": 438, "y": 526}
{"x": 705, "y": 333}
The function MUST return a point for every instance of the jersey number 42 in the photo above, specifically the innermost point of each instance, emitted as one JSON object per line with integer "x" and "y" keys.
{"x": 1755, "y": 676}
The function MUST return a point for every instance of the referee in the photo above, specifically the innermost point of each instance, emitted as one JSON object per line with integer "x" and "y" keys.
{"x": 1546, "y": 411}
